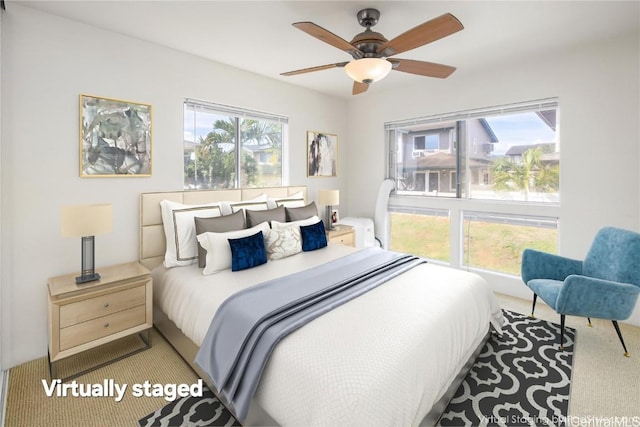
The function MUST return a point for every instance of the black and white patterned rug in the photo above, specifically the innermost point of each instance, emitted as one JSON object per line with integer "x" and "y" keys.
{"x": 519, "y": 379}
{"x": 191, "y": 411}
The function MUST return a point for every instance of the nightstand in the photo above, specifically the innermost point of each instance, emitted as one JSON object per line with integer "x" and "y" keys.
{"x": 343, "y": 234}
{"x": 85, "y": 316}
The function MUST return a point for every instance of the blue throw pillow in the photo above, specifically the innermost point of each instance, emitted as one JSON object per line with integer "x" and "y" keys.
{"x": 313, "y": 236}
{"x": 247, "y": 252}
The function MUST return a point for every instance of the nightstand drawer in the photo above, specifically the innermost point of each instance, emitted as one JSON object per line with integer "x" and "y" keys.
{"x": 345, "y": 239}
{"x": 92, "y": 308}
{"x": 85, "y": 332}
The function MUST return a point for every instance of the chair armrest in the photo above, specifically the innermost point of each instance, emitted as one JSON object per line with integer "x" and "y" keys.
{"x": 542, "y": 265}
{"x": 602, "y": 299}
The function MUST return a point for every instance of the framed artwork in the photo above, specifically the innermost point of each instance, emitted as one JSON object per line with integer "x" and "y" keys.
{"x": 322, "y": 154}
{"x": 115, "y": 137}
{"x": 335, "y": 216}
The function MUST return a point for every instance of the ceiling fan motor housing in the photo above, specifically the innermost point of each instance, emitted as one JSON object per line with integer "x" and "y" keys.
{"x": 368, "y": 41}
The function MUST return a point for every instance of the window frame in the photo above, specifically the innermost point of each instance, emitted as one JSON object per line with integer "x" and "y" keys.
{"x": 463, "y": 202}
{"x": 454, "y": 122}
{"x": 238, "y": 114}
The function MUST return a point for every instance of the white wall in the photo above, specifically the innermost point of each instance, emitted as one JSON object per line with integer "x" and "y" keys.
{"x": 46, "y": 63}
{"x": 599, "y": 94}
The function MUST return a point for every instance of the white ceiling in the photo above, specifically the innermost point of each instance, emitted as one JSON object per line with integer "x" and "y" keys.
{"x": 258, "y": 37}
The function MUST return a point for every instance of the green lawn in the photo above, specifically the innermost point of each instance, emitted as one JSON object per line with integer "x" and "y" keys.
{"x": 492, "y": 246}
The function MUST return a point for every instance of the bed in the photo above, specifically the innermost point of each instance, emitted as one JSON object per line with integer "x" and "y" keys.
{"x": 393, "y": 356}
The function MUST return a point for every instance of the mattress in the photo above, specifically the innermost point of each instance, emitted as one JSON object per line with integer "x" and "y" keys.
{"x": 382, "y": 359}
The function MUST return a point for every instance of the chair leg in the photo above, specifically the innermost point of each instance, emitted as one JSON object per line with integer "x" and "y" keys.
{"x": 562, "y": 332}
{"x": 589, "y": 319}
{"x": 533, "y": 308}
{"x": 615, "y": 325}
{"x": 562, "y": 316}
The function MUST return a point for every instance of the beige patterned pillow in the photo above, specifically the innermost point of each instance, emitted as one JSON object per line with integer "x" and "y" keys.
{"x": 283, "y": 243}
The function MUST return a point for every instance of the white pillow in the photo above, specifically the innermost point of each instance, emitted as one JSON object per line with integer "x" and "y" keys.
{"x": 218, "y": 249}
{"x": 283, "y": 242}
{"x": 296, "y": 200}
{"x": 258, "y": 203}
{"x": 276, "y": 225}
{"x": 180, "y": 230}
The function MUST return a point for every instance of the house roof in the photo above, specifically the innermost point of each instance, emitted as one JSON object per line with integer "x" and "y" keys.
{"x": 487, "y": 128}
{"x": 550, "y": 157}
{"x": 549, "y": 117}
{"x": 517, "y": 150}
{"x": 443, "y": 161}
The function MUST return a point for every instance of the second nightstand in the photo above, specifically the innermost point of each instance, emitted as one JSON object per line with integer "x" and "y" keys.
{"x": 85, "y": 316}
{"x": 343, "y": 234}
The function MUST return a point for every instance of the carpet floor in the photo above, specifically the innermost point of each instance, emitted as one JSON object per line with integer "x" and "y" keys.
{"x": 519, "y": 378}
{"x": 28, "y": 405}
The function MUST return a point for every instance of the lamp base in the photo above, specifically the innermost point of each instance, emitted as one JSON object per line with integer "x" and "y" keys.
{"x": 329, "y": 224}
{"x": 87, "y": 278}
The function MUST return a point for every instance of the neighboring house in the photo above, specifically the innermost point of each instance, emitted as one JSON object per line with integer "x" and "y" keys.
{"x": 261, "y": 152}
{"x": 548, "y": 152}
{"x": 427, "y": 157}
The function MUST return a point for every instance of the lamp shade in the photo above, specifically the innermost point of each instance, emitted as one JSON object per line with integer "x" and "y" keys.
{"x": 329, "y": 197}
{"x": 368, "y": 70}
{"x": 86, "y": 220}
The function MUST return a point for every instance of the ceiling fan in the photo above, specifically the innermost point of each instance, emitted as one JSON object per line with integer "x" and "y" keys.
{"x": 369, "y": 49}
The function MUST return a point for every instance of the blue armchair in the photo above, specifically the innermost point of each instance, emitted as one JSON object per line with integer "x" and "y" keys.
{"x": 605, "y": 285}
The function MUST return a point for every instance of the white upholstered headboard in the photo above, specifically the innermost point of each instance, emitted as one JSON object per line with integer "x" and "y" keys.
{"x": 152, "y": 239}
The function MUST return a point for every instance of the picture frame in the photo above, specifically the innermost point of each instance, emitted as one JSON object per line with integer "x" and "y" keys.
{"x": 115, "y": 137}
{"x": 322, "y": 154}
{"x": 335, "y": 216}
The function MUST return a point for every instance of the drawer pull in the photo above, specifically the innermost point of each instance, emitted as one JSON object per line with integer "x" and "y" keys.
{"x": 106, "y": 325}
{"x": 106, "y": 305}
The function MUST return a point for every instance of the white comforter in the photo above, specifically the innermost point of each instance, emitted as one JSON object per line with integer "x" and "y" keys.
{"x": 382, "y": 359}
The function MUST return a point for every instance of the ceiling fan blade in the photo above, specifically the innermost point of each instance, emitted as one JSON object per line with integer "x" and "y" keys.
{"x": 328, "y": 37}
{"x": 359, "y": 88}
{"x": 312, "y": 69}
{"x": 422, "y": 68}
{"x": 427, "y": 32}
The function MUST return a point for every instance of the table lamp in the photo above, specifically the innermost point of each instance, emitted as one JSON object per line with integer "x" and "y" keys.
{"x": 86, "y": 221}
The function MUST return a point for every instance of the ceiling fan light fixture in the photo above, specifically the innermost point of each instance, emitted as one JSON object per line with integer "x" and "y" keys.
{"x": 368, "y": 70}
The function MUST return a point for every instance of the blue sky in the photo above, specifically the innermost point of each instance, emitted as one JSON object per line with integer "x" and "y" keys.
{"x": 204, "y": 123}
{"x": 519, "y": 129}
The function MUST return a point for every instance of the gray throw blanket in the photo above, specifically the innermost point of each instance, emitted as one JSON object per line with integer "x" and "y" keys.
{"x": 249, "y": 324}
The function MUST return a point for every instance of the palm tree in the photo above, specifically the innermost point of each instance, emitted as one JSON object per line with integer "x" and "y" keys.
{"x": 260, "y": 135}
{"x": 216, "y": 153}
{"x": 528, "y": 175}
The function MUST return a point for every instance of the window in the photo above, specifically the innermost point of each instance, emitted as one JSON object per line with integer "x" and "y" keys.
{"x": 423, "y": 233}
{"x": 495, "y": 242}
{"x": 495, "y": 172}
{"x": 226, "y": 147}
{"x": 506, "y": 153}
{"x": 432, "y": 142}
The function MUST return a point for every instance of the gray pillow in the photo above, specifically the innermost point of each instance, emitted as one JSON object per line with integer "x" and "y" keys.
{"x": 218, "y": 224}
{"x": 304, "y": 212}
{"x": 256, "y": 217}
